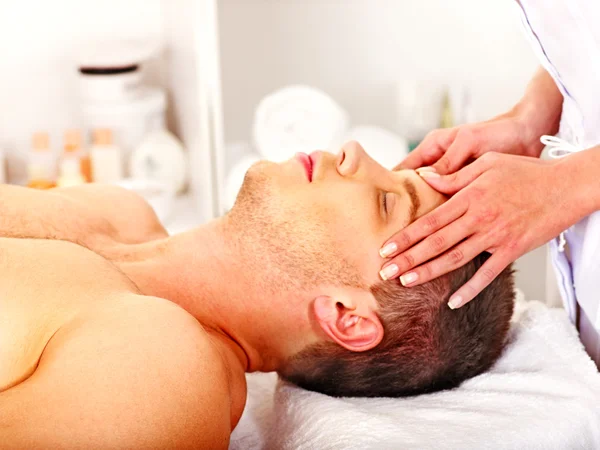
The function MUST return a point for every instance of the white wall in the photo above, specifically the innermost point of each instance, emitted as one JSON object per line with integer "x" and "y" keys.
{"x": 356, "y": 50}
{"x": 38, "y": 80}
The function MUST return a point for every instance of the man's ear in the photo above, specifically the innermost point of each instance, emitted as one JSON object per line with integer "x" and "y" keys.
{"x": 349, "y": 318}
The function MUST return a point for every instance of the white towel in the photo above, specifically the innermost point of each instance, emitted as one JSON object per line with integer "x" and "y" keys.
{"x": 543, "y": 393}
{"x": 297, "y": 119}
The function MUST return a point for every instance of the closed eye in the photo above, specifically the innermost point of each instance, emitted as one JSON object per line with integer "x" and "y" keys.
{"x": 388, "y": 203}
{"x": 385, "y": 204}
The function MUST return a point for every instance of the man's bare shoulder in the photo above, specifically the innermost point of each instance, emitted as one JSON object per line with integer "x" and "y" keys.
{"x": 128, "y": 212}
{"x": 136, "y": 373}
{"x": 90, "y": 215}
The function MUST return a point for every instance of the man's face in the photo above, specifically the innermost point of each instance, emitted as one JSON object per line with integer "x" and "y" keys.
{"x": 322, "y": 221}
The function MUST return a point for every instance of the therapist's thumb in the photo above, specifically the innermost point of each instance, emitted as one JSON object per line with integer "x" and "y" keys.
{"x": 451, "y": 184}
{"x": 457, "y": 155}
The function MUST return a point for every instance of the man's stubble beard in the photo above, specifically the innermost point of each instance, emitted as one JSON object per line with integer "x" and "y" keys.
{"x": 290, "y": 249}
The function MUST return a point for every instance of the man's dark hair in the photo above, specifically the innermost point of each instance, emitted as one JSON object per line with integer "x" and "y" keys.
{"x": 426, "y": 345}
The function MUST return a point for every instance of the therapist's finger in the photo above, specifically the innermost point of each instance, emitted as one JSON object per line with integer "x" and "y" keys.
{"x": 421, "y": 228}
{"x": 461, "y": 150}
{"x": 431, "y": 149}
{"x": 419, "y": 158}
{"x": 453, "y": 259}
{"x": 482, "y": 278}
{"x": 451, "y": 184}
{"x": 429, "y": 248}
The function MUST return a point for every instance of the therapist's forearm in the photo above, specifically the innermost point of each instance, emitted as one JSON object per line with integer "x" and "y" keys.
{"x": 539, "y": 109}
{"x": 583, "y": 183}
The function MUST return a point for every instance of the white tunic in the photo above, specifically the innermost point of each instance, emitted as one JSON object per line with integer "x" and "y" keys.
{"x": 565, "y": 35}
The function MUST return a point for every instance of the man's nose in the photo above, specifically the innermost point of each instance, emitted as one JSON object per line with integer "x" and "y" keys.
{"x": 349, "y": 159}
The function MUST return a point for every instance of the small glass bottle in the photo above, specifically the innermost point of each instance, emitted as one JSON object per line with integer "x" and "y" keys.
{"x": 447, "y": 119}
{"x": 107, "y": 165}
{"x": 74, "y": 145}
{"x": 41, "y": 163}
{"x": 71, "y": 166}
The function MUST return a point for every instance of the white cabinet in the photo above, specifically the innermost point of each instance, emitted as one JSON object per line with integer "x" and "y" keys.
{"x": 194, "y": 81}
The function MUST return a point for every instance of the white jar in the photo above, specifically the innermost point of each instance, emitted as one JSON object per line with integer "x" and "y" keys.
{"x": 108, "y": 85}
{"x": 113, "y": 92}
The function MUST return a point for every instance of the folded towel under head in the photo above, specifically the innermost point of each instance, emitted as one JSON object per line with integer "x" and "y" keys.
{"x": 297, "y": 119}
{"x": 543, "y": 393}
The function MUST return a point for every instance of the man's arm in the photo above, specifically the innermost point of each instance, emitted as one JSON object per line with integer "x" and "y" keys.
{"x": 30, "y": 213}
{"x": 78, "y": 214}
{"x": 141, "y": 374}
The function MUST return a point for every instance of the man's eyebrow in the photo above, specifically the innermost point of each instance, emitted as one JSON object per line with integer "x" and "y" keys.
{"x": 415, "y": 203}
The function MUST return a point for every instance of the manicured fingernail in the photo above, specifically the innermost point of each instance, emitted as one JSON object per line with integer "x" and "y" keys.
{"x": 388, "y": 249}
{"x": 429, "y": 175}
{"x": 455, "y": 302}
{"x": 388, "y": 272}
{"x": 426, "y": 169}
{"x": 408, "y": 278}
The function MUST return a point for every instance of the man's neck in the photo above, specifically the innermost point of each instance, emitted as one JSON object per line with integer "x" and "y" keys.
{"x": 208, "y": 272}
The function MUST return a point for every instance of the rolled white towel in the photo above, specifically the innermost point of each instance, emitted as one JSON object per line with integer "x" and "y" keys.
{"x": 385, "y": 147}
{"x": 297, "y": 119}
{"x": 235, "y": 178}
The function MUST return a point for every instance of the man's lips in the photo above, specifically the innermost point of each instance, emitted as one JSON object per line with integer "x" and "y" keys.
{"x": 307, "y": 162}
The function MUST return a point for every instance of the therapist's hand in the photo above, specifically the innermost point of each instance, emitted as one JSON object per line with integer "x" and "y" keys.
{"x": 516, "y": 132}
{"x": 448, "y": 150}
{"x": 503, "y": 204}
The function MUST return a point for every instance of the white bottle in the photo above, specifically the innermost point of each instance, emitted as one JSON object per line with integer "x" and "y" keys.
{"x": 73, "y": 161}
{"x": 70, "y": 172}
{"x": 107, "y": 164}
{"x": 41, "y": 163}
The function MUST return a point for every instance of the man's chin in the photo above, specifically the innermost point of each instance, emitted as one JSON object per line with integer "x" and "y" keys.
{"x": 255, "y": 198}
{"x": 291, "y": 247}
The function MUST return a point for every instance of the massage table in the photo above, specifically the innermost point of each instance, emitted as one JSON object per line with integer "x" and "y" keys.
{"x": 543, "y": 393}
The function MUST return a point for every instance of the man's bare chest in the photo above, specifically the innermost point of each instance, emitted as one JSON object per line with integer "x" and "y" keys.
{"x": 45, "y": 284}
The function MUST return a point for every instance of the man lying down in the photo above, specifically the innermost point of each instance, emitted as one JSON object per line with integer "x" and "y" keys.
{"x": 116, "y": 335}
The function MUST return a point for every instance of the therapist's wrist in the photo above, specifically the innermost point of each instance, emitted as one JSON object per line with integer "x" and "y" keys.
{"x": 534, "y": 122}
{"x": 539, "y": 111}
{"x": 578, "y": 173}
